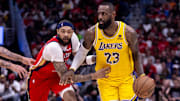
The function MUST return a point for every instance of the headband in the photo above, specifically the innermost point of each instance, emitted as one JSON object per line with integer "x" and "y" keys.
{"x": 65, "y": 24}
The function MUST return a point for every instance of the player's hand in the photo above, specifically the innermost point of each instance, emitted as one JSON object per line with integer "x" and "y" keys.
{"x": 102, "y": 73}
{"x": 28, "y": 61}
{"x": 22, "y": 72}
{"x": 67, "y": 77}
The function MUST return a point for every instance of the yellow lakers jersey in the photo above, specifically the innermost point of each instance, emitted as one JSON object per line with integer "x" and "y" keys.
{"x": 114, "y": 52}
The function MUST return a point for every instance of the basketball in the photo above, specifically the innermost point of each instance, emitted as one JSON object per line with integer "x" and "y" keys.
{"x": 144, "y": 86}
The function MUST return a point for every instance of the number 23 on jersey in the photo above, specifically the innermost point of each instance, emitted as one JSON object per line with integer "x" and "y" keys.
{"x": 112, "y": 58}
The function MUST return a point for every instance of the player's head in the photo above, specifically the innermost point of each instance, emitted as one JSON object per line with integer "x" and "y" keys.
{"x": 106, "y": 14}
{"x": 65, "y": 30}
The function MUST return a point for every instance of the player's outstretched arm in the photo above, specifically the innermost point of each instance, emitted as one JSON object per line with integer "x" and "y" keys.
{"x": 132, "y": 39}
{"x": 102, "y": 73}
{"x": 15, "y": 57}
{"x": 16, "y": 68}
{"x": 61, "y": 69}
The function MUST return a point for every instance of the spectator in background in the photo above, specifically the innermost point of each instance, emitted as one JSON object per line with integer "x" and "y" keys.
{"x": 14, "y": 87}
{"x": 150, "y": 69}
{"x": 11, "y": 90}
{"x": 158, "y": 66}
{"x": 77, "y": 92}
{"x": 92, "y": 92}
{"x": 5, "y": 93}
{"x": 2, "y": 84}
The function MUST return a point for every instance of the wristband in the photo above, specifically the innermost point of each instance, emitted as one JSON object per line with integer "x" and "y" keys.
{"x": 72, "y": 69}
{"x": 89, "y": 60}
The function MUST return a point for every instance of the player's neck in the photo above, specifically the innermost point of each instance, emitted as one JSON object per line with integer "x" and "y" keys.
{"x": 111, "y": 30}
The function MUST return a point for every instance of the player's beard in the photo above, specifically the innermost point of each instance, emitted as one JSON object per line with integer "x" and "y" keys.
{"x": 64, "y": 43}
{"x": 105, "y": 25}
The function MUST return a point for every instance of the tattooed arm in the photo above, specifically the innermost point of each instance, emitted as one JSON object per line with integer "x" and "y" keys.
{"x": 132, "y": 39}
{"x": 15, "y": 57}
{"x": 16, "y": 68}
{"x": 61, "y": 69}
{"x": 102, "y": 73}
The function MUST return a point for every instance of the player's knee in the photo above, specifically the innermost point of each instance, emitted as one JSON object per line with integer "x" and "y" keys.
{"x": 69, "y": 96}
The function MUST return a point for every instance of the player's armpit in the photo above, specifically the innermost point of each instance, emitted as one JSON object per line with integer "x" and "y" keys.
{"x": 132, "y": 38}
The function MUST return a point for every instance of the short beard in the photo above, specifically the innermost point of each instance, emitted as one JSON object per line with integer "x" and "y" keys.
{"x": 105, "y": 25}
{"x": 62, "y": 42}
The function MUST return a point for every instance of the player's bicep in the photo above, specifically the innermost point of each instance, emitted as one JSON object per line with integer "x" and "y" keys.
{"x": 53, "y": 52}
{"x": 132, "y": 39}
{"x": 89, "y": 38}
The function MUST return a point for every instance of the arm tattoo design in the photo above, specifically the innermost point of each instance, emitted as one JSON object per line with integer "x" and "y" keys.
{"x": 60, "y": 68}
{"x": 10, "y": 55}
{"x": 6, "y": 64}
{"x": 82, "y": 78}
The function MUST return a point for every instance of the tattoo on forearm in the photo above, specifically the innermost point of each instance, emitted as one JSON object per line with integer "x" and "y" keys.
{"x": 60, "y": 68}
{"x": 10, "y": 55}
{"x": 5, "y": 64}
{"x": 82, "y": 78}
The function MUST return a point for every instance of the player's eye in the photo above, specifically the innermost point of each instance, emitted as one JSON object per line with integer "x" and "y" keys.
{"x": 63, "y": 31}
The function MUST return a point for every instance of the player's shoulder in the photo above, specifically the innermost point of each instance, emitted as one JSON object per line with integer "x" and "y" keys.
{"x": 91, "y": 29}
{"x": 129, "y": 29}
{"x": 52, "y": 45}
{"x": 130, "y": 33}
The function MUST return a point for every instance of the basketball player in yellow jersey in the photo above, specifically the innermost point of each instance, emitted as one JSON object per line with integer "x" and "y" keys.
{"x": 116, "y": 45}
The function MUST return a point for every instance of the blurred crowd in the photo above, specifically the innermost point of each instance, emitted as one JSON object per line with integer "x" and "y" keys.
{"x": 159, "y": 42}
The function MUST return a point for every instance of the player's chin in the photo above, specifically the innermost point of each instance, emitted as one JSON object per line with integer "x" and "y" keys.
{"x": 101, "y": 26}
{"x": 66, "y": 41}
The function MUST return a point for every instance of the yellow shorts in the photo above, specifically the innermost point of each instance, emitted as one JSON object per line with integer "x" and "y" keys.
{"x": 116, "y": 91}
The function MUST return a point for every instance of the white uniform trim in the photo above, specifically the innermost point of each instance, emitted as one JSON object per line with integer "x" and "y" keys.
{"x": 96, "y": 34}
{"x": 65, "y": 90}
{"x": 124, "y": 36}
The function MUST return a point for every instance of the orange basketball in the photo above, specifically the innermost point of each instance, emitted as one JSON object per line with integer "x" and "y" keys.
{"x": 144, "y": 86}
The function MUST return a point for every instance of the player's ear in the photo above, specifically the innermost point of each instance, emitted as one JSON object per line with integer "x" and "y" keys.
{"x": 114, "y": 14}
